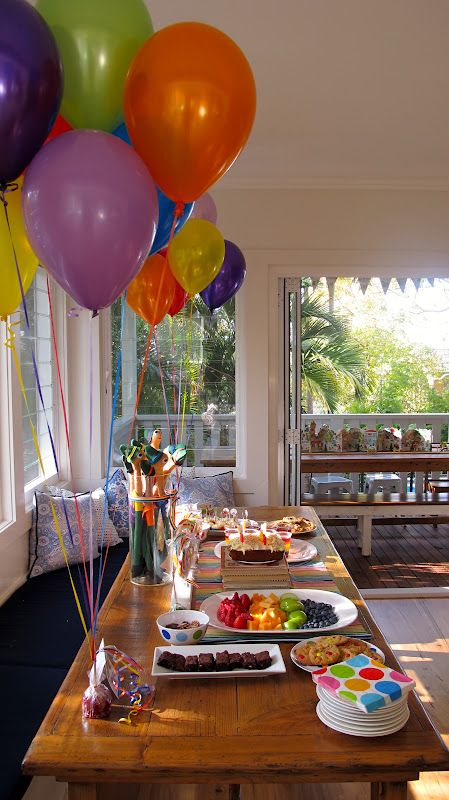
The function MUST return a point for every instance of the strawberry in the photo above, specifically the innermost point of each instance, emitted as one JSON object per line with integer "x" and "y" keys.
{"x": 240, "y": 622}
{"x": 230, "y": 617}
{"x": 245, "y": 601}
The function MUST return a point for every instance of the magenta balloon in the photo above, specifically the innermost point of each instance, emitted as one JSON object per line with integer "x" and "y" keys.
{"x": 91, "y": 212}
{"x": 205, "y": 208}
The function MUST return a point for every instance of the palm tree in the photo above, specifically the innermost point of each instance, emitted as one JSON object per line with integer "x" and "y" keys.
{"x": 333, "y": 363}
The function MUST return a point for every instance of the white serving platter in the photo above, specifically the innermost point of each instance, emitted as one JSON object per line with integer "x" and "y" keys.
{"x": 344, "y": 608}
{"x": 375, "y": 651}
{"x": 277, "y": 662}
{"x": 299, "y": 552}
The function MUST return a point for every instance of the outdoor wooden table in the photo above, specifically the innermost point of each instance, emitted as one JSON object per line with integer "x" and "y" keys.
{"x": 374, "y": 462}
{"x": 228, "y": 731}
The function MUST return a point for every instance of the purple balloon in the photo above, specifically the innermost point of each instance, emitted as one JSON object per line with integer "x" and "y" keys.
{"x": 229, "y": 279}
{"x": 31, "y": 84}
{"x": 90, "y": 210}
{"x": 205, "y": 208}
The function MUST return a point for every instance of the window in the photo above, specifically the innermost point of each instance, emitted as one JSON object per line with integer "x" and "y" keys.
{"x": 39, "y": 338}
{"x": 195, "y": 354}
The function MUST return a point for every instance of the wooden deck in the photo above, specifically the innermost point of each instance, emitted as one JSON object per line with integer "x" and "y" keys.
{"x": 403, "y": 556}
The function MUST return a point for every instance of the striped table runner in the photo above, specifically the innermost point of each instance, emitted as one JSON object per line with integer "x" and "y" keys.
{"x": 312, "y": 575}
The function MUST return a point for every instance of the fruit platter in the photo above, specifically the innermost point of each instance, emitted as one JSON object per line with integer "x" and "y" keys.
{"x": 277, "y": 611}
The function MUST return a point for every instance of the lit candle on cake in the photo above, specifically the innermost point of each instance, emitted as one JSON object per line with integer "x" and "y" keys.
{"x": 263, "y": 532}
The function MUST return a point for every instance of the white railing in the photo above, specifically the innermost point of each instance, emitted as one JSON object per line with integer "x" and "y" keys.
{"x": 208, "y": 445}
{"x": 437, "y": 423}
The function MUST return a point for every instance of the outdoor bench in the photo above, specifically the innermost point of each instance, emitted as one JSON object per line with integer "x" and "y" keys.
{"x": 367, "y": 507}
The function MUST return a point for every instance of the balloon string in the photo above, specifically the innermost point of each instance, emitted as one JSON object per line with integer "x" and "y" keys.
{"x": 164, "y": 394}
{"x": 13, "y": 187}
{"x": 108, "y": 466}
{"x": 10, "y": 343}
{"x": 184, "y": 400}
{"x": 91, "y": 554}
{"x": 173, "y": 375}
{"x": 67, "y": 436}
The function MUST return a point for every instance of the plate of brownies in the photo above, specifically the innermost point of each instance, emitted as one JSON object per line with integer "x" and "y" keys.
{"x": 218, "y": 661}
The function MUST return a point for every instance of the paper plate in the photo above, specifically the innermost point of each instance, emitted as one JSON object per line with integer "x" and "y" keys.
{"x": 355, "y": 730}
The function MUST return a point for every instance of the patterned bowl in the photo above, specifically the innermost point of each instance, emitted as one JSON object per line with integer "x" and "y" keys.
{"x": 186, "y": 635}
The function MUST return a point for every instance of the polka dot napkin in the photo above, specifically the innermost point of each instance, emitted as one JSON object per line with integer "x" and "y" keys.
{"x": 364, "y": 682}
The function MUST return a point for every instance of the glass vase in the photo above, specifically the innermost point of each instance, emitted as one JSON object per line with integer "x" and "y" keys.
{"x": 150, "y": 541}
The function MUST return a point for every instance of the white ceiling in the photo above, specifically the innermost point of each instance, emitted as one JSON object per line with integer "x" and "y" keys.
{"x": 350, "y": 92}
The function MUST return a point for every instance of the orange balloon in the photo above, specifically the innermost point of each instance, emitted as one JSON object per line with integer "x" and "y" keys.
{"x": 190, "y": 102}
{"x": 151, "y": 292}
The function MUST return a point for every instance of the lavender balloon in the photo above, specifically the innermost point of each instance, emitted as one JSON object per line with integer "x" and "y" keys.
{"x": 90, "y": 210}
{"x": 205, "y": 208}
{"x": 31, "y": 84}
{"x": 229, "y": 279}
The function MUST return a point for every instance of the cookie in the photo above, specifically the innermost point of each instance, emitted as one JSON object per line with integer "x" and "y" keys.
{"x": 323, "y": 656}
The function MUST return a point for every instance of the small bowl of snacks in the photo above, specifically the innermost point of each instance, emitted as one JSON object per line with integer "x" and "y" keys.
{"x": 182, "y": 627}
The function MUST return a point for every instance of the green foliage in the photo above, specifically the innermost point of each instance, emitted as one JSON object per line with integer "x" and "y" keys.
{"x": 333, "y": 362}
{"x": 398, "y": 376}
{"x": 196, "y": 344}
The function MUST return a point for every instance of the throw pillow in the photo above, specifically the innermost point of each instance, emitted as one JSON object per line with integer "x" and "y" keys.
{"x": 110, "y": 536}
{"x": 217, "y": 490}
{"x": 117, "y": 493}
{"x": 45, "y": 548}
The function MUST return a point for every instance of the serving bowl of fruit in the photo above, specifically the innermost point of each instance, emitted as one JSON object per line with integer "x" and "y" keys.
{"x": 280, "y": 612}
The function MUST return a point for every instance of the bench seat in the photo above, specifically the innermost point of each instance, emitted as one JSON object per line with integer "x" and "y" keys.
{"x": 40, "y": 635}
{"x": 365, "y": 507}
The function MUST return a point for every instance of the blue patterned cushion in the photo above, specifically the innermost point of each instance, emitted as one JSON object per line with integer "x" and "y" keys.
{"x": 117, "y": 493}
{"x": 45, "y": 547}
{"x": 216, "y": 490}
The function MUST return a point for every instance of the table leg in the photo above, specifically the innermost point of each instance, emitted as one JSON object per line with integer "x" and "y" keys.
{"x": 375, "y": 791}
{"x": 365, "y": 535}
{"x": 234, "y": 791}
{"x": 390, "y": 790}
{"x": 82, "y": 791}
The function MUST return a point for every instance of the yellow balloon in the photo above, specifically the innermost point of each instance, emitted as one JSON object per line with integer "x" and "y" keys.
{"x": 10, "y": 296}
{"x": 196, "y": 255}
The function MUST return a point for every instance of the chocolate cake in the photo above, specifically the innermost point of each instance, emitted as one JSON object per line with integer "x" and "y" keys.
{"x": 235, "y": 661}
{"x": 249, "y": 661}
{"x": 206, "y": 662}
{"x": 192, "y": 664}
{"x": 256, "y": 547}
{"x": 180, "y": 662}
{"x": 263, "y": 660}
{"x": 222, "y": 661}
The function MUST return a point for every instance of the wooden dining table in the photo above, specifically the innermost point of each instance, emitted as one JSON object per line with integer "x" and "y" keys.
{"x": 222, "y": 732}
{"x": 374, "y": 462}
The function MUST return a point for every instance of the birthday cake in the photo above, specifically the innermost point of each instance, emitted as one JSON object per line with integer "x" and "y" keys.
{"x": 256, "y": 546}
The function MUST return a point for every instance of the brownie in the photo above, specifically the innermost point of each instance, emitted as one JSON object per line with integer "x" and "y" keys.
{"x": 167, "y": 660}
{"x": 235, "y": 661}
{"x": 206, "y": 662}
{"x": 180, "y": 663}
{"x": 249, "y": 661}
{"x": 192, "y": 664}
{"x": 222, "y": 661}
{"x": 263, "y": 660}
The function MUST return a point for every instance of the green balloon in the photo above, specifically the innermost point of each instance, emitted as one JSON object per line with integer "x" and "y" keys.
{"x": 97, "y": 40}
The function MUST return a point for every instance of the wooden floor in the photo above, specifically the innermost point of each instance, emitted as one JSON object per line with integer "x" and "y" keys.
{"x": 403, "y": 556}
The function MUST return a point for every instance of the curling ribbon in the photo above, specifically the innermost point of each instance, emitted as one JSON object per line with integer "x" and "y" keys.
{"x": 10, "y": 343}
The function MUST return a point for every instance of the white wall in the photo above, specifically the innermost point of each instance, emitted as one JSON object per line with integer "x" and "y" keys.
{"x": 314, "y": 232}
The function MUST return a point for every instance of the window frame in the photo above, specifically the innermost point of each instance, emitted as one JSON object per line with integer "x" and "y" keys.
{"x": 239, "y": 470}
{"x": 15, "y": 499}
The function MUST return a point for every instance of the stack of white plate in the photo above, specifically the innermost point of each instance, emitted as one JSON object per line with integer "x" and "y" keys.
{"x": 344, "y": 717}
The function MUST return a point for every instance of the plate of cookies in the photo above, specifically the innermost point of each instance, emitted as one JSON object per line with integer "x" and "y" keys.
{"x": 322, "y": 651}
